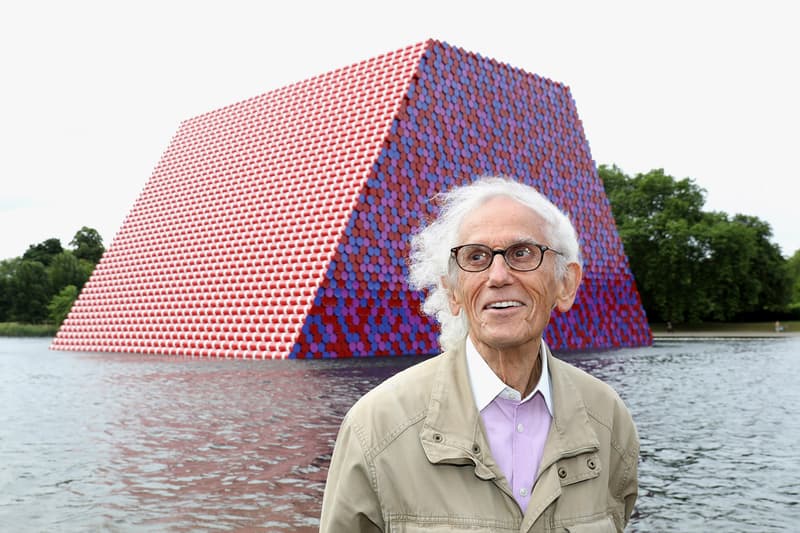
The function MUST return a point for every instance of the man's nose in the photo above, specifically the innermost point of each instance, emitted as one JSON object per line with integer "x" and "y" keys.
{"x": 499, "y": 271}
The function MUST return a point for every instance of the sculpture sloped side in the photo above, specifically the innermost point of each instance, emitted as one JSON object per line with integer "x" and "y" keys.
{"x": 224, "y": 250}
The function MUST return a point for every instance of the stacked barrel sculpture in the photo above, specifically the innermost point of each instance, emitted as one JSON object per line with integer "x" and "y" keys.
{"x": 279, "y": 226}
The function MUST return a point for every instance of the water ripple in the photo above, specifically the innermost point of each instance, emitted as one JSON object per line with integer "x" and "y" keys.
{"x": 141, "y": 443}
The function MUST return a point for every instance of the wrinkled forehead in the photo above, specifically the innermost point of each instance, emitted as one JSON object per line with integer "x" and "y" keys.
{"x": 501, "y": 220}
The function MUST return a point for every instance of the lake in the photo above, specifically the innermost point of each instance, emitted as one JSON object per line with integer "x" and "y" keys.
{"x": 122, "y": 442}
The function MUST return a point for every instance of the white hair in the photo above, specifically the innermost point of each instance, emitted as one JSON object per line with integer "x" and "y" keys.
{"x": 429, "y": 260}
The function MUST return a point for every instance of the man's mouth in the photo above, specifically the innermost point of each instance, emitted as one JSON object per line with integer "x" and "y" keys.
{"x": 505, "y": 304}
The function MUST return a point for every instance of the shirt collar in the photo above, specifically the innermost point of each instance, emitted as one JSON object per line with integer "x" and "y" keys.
{"x": 486, "y": 385}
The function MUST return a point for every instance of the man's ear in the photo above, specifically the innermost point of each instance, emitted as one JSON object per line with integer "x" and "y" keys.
{"x": 455, "y": 306}
{"x": 568, "y": 287}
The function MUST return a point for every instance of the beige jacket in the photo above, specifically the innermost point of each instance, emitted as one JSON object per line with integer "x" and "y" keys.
{"x": 412, "y": 456}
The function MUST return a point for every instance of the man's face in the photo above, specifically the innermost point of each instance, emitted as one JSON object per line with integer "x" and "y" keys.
{"x": 505, "y": 308}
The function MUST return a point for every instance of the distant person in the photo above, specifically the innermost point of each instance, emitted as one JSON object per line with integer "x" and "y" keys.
{"x": 778, "y": 326}
{"x": 494, "y": 434}
{"x": 669, "y": 327}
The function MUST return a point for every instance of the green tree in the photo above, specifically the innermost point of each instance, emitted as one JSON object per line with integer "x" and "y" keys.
{"x": 88, "y": 245}
{"x": 691, "y": 265}
{"x": 768, "y": 269}
{"x": 44, "y": 252}
{"x": 30, "y": 292}
{"x": 27, "y": 284}
{"x": 656, "y": 218}
{"x": 793, "y": 270}
{"x": 61, "y": 304}
{"x": 725, "y": 283}
{"x": 8, "y": 271}
{"x": 66, "y": 269}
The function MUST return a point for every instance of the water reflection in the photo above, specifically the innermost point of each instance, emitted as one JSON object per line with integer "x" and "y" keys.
{"x": 144, "y": 443}
{"x": 718, "y": 433}
{"x": 230, "y": 442}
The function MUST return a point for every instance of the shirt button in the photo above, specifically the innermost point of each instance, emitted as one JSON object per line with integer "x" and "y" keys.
{"x": 523, "y": 491}
{"x": 520, "y": 427}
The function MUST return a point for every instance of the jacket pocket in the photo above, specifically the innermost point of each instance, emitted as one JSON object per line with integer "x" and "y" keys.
{"x": 604, "y": 525}
{"x": 579, "y": 468}
{"x": 408, "y": 524}
{"x": 407, "y": 527}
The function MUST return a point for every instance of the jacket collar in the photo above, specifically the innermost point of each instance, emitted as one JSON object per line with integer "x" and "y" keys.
{"x": 486, "y": 385}
{"x": 570, "y": 432}
{"x": 452, "y": 431}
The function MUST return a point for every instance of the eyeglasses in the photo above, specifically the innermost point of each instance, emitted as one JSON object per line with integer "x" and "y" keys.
{"x": 521, "y": 256}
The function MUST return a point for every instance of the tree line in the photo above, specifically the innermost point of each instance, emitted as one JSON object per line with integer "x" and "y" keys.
{"x": 693, "y": 265}
{"x": 42, "y": 285}
{"x": 690, "y": 265}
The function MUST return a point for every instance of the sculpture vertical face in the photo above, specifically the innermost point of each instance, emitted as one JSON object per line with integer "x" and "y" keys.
{"x": 505, "y": 308}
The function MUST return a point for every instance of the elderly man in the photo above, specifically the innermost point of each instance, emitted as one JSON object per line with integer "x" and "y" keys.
{"x": 494, "y": 434}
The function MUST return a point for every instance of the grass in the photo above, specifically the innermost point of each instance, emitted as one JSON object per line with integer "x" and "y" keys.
{"x": 16, "y": 329}
{"x": 730, "y": 327}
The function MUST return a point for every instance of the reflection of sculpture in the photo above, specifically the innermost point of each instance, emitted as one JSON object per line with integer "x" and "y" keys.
{"x": 278, "y": 226}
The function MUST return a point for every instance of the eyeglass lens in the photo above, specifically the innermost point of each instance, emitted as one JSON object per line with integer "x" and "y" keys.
{"x": 520, "y": 256}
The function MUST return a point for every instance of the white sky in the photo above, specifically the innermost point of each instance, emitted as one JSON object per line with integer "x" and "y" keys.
{"x": 92, "y": 92}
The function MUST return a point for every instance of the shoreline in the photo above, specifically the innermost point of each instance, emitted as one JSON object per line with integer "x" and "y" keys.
{"x": 710, "y": 334}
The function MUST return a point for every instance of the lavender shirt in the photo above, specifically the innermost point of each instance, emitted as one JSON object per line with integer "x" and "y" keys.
{"x": 516, "y": 428}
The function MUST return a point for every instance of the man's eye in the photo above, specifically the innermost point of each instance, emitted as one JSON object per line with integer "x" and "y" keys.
{"x": 522, "y": 252}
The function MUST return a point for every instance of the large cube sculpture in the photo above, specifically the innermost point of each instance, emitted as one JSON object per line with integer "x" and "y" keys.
{"x": 279, "y": 226}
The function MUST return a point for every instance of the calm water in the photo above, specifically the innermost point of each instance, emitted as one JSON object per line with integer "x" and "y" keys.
{"x": 102, "y": 442}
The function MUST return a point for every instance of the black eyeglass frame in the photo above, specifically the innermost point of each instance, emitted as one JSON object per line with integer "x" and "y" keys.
{"x": 542, "y": 248}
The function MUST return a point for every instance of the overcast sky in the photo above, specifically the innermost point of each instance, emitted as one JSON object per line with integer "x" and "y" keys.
{"x": 92, "y": 92}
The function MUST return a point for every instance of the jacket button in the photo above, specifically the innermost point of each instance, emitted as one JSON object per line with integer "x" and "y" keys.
{"x": 591, "y": 464}
{"x": 437, "y": 437}
{"x": 562, "y": 472}
{"x": 476, "y": 449}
